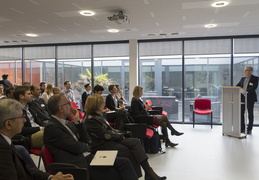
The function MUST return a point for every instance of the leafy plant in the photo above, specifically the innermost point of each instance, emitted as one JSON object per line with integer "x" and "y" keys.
{"x": 100, "y": 79}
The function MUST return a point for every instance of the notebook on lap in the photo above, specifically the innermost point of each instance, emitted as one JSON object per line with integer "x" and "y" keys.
{"x": 104, "y": 158}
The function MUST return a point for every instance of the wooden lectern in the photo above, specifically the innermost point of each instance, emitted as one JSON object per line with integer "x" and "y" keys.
{"x": 231, "y": 114}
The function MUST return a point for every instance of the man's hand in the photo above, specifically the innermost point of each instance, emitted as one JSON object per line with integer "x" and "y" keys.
{"x": 60, "y": 176}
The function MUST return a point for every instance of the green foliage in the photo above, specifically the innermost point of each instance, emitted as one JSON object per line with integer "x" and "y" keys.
{"x": 101, "y": 79}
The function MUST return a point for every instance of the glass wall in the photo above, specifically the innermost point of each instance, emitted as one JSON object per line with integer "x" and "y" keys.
{"x": 172, "y": 72}
{"x": 111, "y": 66}
{"x": 246, "y": 53}
{"x": 73, "y": 63}
{"x": 11, "y": 64}
{"x": 39, "y": 64}
{"x": 160, "y": 75}
{"x": 207, "y": 69}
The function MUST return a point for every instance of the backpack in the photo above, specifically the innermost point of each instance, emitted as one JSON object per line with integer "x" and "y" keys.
{"x": 152, "y": 145}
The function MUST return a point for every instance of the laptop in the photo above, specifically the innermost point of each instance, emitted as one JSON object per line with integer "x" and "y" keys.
{"x": 104, "y": 158}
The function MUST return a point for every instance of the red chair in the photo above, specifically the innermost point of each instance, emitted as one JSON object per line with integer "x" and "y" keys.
{"x": 36, "y": 152}
{"x": 52, "y": 168}
{"x": 46, "y": 156}
{"x": 149, "y": 102}
{"x": 81, "y": 114}
{"x": 202, "y": 107}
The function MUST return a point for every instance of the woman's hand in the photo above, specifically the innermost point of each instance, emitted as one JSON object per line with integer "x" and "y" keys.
{"x": 147, "y": 107}
{"x": 74, "y": 114}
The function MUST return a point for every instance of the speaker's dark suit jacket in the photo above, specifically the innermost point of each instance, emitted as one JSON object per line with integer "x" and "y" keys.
{"x": 12, "y": 166}
{"x": 251, "y": 99}
{"x": 251, "y": 87}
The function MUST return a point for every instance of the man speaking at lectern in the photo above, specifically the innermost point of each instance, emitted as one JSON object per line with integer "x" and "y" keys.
{"x": 249, "y": 84}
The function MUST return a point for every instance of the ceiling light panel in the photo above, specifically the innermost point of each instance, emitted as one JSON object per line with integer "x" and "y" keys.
{"x": 220, "y": 3}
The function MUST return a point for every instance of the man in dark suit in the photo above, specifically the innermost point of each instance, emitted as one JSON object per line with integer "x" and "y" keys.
{"x": 33, "y": 127}
{"x": 38, "y": 105}
{"x": 68, "y": 142}
{"x": 249, "y": 84}
{"x": 12, "y": 166}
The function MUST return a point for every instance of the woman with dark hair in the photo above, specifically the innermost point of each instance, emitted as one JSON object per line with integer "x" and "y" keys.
{"x": 104, "y": 137}
{"x": 138, "y": 108}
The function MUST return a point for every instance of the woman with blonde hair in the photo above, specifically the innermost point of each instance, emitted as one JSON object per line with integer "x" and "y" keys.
{"x": 104, "y": 137}
{"x": 47, "y": 93}
{"x": 138, "y": 109}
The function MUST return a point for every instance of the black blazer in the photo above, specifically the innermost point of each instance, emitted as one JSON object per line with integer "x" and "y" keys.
{"x": 40, "y": 108}
{"x": 251, "y": 87}
{"x": 137, "y": 107}
{"x": 27, "y": 129}
{"x": 13, "y": 167}
{"x": 100, "y": 131}
{"x": 110, "y": 103}
{"x": 85, "y": 96}
{"x": 63, "y": 146}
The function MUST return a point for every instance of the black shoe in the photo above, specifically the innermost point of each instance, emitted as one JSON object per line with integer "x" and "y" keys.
{"x": 153, "y": 176}
{"x": 170, "y": 144}
{"x": 176, "y": 133}
{"x": 249, "y": 132}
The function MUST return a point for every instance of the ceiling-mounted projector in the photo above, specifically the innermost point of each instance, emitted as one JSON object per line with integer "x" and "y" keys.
{"x": 119, "y": 18}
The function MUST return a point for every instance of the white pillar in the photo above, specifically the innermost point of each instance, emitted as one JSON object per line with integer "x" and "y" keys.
{"x": 133, "y": 66}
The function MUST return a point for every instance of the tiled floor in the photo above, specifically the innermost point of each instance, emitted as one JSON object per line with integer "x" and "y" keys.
{"x": 205, "y": 154}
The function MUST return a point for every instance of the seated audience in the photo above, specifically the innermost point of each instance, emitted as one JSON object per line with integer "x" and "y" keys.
{"x": 47, "y": 93}
{"x": 38, "y": 105}
{"x": 9, "y": 92}
{"x": 69, "y": 93}
{"x": 104, "y": 137}
{"x": 12, "y": 165}
{"x": 42, "y": 87}
{"x": 139, "y": 109}
{"x": 112, "y": 100}
{"x": 2, "y": 96}
{"x": 121, "y": 100}
{"x": 68, "y": 142}
{"x": 88, "y": 92}
{"x": 33, "y": 127}
{"x": 26, "y": 84}
{"x": 56, "y": 90}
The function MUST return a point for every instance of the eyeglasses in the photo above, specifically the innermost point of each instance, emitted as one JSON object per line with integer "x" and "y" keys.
{"x": 68, "y": 103}
{"x": 21, "y": 117}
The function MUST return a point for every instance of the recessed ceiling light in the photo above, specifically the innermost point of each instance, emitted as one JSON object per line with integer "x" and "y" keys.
{"x": 31, "y": 35}
{"x": 113, "y": 30}
{"x": 220, "y": 3}
{"x": 210, "y": 25}
{"x": 87, "y": 13}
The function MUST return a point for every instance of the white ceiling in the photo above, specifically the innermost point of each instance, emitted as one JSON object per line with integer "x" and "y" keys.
{"x": 58, "y": 21}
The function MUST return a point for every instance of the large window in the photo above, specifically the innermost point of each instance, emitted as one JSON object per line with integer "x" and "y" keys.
{"x": 207, "y": 69}
{"x": 39, "y": 64}
{"x": 11, "y": 64}
{"x": 73, "y": 62}
{"x": 111, "y": 66}
{"x": 160, "y": 75}
{"x": 246, "y": 53}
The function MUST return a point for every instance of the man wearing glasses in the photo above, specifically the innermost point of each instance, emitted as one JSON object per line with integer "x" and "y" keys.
{"x": 12, "y": 165}
{"x": 33, "y": 127}
{"x": 68, "y": 142}
{"x": 249, "y": 84}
